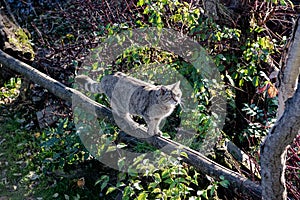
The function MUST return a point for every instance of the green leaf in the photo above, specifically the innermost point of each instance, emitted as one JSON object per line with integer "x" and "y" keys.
{"x": 132, "y": 172}
{"x": 235, "y": 75}
{"x": 139, "y": 22}
{"x": 203, "y": 193}
{"x": 137, "y": 185}
{"x": 120, "y": 184}
{"x": 66, "y": 197}
{"x": 142, "y": 196}
{"x": 146, "y": 10}
{"x": 55, "y": 195}
{"x": 165, "y": 174}
{"x": 169, "y": 181}
{"x": 104, "y": 184}
{"x": 212, "y": 190}
{"x": 158, "y": 20}
{"x": 165, "y": 2}
{"x": 225, "y": 183}
{"x": 121, "y": 145}
{"x": 181, "y": 180}
{"x": 140, "y": 3}
{"x": 221, "y": 68}
{"x": 255, "y": 81}
{"x": 221, "y": 57}
{"x": 121, "y": 163}
{"x": 283, "y": 2}
{"x": 184, "y": 154}
{"x": 152, "y": 185}
{"x": 241, "y": 82}
{"x": 127, "y": 192}
{"x": 230, "y": 79}
{"x": 156, "y": 190}
{"x": 157, "y": 178}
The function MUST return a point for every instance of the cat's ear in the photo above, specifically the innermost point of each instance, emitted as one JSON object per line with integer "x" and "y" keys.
{"x": 176, "y": 85}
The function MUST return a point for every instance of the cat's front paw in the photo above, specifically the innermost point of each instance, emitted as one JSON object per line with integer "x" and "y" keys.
{"x": 154, "y": 132}
{"x": 151, "y": 133}
{"x": 159, "y": 133}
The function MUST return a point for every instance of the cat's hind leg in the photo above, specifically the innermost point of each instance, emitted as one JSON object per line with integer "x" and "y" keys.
{"x": 126, "y": 123}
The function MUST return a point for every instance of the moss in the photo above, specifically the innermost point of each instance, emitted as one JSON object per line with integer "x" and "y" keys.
{"x": 21, "y": 41}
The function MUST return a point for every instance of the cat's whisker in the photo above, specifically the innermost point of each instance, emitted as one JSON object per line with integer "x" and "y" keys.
{"x": 181, "y": 104}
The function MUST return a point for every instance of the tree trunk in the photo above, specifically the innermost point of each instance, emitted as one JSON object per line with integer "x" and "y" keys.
{"x": 274, "y": 148}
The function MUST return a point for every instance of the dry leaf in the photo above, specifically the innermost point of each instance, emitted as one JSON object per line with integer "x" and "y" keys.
{"x": 81, "y": 182}
{"x": 272, "y": 91}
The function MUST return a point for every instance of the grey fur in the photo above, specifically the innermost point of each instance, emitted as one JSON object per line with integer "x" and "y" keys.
{"x": 130, "y": 96}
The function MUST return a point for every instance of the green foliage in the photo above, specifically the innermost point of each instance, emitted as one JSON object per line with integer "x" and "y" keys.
{"x": 174, "y": 181}
{"x": 259, "y": 122}
{"x": 59, "y": 147}
{"x": 281, "y": 2}
{"x": 10, "y": 90}
{"x": 167, "y": 13}
{"x": 255, "y": 53}
{"x": 29, "y": 158}
{"x": 16, "y": 152}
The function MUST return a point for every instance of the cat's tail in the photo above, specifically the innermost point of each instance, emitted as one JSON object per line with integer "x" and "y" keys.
{"x": 88, "y": 84}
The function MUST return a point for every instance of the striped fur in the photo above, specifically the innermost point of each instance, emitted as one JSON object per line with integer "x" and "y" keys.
{"x": 130, "y": 96}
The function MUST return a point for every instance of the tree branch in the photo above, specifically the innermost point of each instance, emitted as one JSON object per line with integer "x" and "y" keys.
{"x": 238, "y": 183}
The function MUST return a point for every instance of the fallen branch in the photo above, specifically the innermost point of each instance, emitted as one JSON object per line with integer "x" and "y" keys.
{"x": 238, "y": 183}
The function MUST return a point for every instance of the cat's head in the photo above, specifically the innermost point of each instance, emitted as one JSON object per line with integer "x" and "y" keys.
{"x": 170, "y": 94}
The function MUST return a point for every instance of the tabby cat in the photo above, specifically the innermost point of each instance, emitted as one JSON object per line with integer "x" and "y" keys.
{"x": 130, "y": 96}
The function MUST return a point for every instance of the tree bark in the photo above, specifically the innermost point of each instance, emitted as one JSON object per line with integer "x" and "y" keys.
{"x": 274, "y": 148}
{"x": 290, "y": 74}
{"x": 238, "y": 183}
